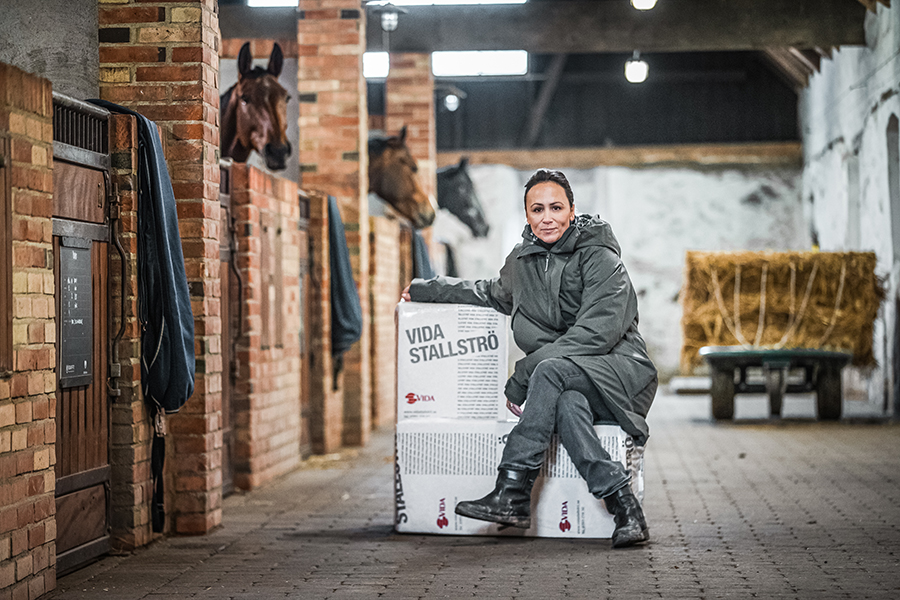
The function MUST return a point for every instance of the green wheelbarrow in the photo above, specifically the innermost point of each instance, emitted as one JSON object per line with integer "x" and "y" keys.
{"x": 821, "y": 372}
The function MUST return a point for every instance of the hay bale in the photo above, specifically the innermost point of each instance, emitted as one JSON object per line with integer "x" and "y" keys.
{"x": 825, "y": 300}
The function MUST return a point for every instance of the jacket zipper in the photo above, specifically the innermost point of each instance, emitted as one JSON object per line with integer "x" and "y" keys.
{"x": 547, "y": 263}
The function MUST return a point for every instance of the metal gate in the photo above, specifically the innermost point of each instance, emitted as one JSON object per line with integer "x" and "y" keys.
{"x": 80, "y": 249}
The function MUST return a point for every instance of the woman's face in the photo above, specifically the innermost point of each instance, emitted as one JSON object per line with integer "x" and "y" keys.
{"x": 548, "y": 212}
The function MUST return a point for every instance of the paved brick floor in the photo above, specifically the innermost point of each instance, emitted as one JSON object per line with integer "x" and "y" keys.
{"x": 750, "y": 509}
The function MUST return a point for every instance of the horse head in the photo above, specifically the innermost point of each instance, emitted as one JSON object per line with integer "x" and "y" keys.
{"x": 456, "y": 193}
{"x": 254, "y": 112}
{"x": 392, "y": 175}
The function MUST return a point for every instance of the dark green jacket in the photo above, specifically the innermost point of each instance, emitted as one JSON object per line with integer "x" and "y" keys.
{"x": 574, "y": 301}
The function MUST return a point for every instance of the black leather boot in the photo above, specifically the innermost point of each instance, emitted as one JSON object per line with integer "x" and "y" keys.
{"x": 508, "y": 504}
{"x": 631, "y": 526}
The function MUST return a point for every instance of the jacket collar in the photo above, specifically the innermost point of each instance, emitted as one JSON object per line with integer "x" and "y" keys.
{"x": 565, "y": 244}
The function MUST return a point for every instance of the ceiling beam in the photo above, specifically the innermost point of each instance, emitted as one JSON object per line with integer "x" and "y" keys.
{"x": 585, "y": 26}
{"x": 548, "y": 89}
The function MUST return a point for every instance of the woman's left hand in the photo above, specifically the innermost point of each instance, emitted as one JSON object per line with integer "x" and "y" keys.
{"x": 514, "y": 408}
{"x": 404, "y": 295}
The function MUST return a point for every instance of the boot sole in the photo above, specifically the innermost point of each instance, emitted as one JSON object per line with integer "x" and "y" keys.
{"x": 523, "y": 523}
{"x": 632, "y": 541}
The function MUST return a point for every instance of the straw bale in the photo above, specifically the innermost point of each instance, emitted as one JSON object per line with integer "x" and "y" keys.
{"x": 824, "y": 300}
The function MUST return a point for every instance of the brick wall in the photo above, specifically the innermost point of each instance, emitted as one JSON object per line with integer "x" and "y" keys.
{"x": 326, "y": 415}
{"x": 410, "y": 102}
{"x": 27, "y": 394}
{"x": 130, "y": 434}
{"x": 161, "y": 59}
{"x": 333, "y": 159}
{"x": 267, "y": 389}
{"x": 384, "y": 292}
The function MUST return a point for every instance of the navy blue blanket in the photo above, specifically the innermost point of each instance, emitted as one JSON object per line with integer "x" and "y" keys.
{"x": 164, "y": 302}
{"x": 346, "y": 312}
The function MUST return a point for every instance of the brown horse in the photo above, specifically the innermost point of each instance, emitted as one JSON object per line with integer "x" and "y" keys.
{"x": 253, "y": 112}
{"x": 392, "y": 176}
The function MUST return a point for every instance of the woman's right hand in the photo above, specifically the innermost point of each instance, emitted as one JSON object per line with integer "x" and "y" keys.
{"x": 404, "y": 295}
{"x": 514, "y": 408}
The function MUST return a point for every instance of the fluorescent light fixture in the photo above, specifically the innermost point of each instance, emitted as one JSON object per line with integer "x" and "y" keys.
{"x": 643, "y": 4}
{"x": 636, "y": 70}
{"x": 376, "y": 65}
{"x": 443, "y": 2}
{"x": 272, "y": 3}
{"x": 479, "y": 62}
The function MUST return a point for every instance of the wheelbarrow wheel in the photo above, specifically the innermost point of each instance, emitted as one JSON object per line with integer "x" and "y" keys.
{"x": 775, "y": 386}
{"x": 828, "y": 393}
{"x": 722, "y": 394}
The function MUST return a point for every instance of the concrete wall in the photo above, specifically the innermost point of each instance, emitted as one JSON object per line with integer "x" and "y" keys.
{"x": 56, "y": 39}
{"x": 844, "y": 115}
{"x": 657, "y": 214}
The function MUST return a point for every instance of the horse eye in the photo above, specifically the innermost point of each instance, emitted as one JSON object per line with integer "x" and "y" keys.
{"x": 245, "y": 98}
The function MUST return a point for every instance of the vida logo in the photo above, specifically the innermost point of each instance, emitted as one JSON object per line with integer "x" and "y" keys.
{"x": 442, "y": 514}
{"x": 564, "y": 524}
{"x": 413, "y": 398}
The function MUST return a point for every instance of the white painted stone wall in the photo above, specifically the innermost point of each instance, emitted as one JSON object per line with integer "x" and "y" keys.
{"x": 844, "y": 114}
{"x": 657, "y": 214}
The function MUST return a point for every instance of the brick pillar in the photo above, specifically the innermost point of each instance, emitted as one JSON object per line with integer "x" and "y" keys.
{"x": 130, "y": 426}
{"x": 27, "y": 390}
{"x": 161, "y": 59}
{"x": 410, "y": 102}
{"x": 333, "y": 158}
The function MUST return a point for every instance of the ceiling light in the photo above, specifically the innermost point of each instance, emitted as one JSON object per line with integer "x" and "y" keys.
{"x": 376, "y": 65}
{"x": 451, "y": 102}
{"x": 636, "y": 70}
{"x": 643, "y": 4}
{"x": 476, "y": 63}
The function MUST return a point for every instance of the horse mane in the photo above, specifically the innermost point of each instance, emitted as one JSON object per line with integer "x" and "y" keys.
{"x": 378, "y": 142}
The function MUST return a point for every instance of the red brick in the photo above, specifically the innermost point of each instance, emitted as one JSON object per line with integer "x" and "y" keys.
{"x": 126, "y": 94}
{"x": 169, "y": 73}
{"x": 170, "y": 112}
{"x": 130, "y": 14}
{"x": 188, "y": 54}
{"x": 131, "y": 54}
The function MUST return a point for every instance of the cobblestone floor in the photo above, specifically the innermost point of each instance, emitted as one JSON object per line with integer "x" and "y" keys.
{"x": 750, "y": 509}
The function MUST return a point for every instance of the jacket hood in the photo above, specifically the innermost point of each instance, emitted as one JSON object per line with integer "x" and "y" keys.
{"x": 587, "y": 230}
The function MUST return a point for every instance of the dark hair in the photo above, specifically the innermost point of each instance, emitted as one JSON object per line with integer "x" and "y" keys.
{"x": 546, "y": 175}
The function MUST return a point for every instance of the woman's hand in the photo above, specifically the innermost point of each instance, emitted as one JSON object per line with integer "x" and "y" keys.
{"x": 514, "y": 408}
{"x": 404, "y": 295}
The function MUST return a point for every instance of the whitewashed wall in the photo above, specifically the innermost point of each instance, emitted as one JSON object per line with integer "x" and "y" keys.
{"x": 844, "y": 116}
{"x": 657, "y": 214}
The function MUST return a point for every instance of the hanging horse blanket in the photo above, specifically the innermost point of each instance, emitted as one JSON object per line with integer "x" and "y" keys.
{"x": 164, "y": 302}
{"x": 346, "y": 312}
{"x": 422, "y": 268}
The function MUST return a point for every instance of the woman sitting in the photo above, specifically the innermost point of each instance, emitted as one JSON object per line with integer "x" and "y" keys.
{"x": 574, "y": 313}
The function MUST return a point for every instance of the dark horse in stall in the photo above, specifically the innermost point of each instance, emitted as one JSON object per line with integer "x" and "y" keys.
{"x": 253, "y": 113}
{"x": 393, "y": 177}
{"x": 456, "y": 193}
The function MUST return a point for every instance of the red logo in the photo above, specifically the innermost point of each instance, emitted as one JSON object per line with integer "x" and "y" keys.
{"x": 413, "y": 398}
{"x": 442, "y": 514}
{"x": 564, "y": 524}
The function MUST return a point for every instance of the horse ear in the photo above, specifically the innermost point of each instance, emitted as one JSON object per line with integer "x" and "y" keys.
{"x": 463, "y": 163}
{"x": 402, "y": 135}
{"x": 276, "y": 61}
{"x": 245, "y": 59}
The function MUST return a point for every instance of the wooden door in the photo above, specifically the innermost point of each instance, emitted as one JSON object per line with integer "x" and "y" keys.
{"x": 80, "y": 251}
